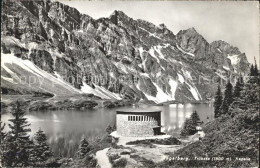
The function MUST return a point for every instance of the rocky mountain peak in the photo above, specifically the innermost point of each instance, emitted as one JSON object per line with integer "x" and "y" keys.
{"x": 225, "y": 47}
{"x": 60, "y": 40}
{"x": 118, "y": 15}
{"x": 192, "y": 42}
{"x": 192, "y": 30}
{"x": 162, "y": 26}
{"x": 192, "y": 33}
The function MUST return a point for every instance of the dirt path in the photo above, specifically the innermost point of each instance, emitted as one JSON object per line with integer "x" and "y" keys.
{"x": 123, "y": 140}
{"x": 102, "y": 158}
{"x": 156, "y": 154}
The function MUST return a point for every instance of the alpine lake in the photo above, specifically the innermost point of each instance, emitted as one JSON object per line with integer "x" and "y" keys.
{"x": 64, "y": 128}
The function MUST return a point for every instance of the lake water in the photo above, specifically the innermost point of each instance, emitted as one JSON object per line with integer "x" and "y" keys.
{"x": 65, "y": 128}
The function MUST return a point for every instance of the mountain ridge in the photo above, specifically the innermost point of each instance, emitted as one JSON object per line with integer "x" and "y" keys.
{"x": 156, "y": 64}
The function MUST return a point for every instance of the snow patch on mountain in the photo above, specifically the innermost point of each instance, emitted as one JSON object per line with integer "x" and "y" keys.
{"x": 59, "y": 78}
{"x": 167, "y": 45}
{"x": 87, "y": 89}
{"x": 174, "y": 86}
{"x": 9, "y": 40}
{"x": 40, "y": 74}
{"x": 234, "y": 59}
{"x": 106, "y": 92}
{"x": 11, "y": 80}
{"x": 145, "y": 75}
{"x": 151, "y": 52}
{"x": 11, "y": 59}
{"x": 161, "y": 96}
{"x": 150, "y": 34}
{"x": 187, "y": 74}
{"x": 158, "y": 50}
{"x": 219, "y": 50}
{"x": 221, "y": 75}
{"x": 141, "y": 50}
{"x": 194, "y": 92}
{"x": 121, "y": 67}
{"x": 180, "y": 77}
{"x": 185, "y": 51}
{"x": 31, "y": 45}
{"x": 226, "y": 68}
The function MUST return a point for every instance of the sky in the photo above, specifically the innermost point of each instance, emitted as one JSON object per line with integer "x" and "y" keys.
{"x": 236, "y": 22}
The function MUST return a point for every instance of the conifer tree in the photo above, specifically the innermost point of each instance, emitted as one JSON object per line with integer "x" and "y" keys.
{"x": 186, "y": 131}
{"x": 41, "y": 151}
{"x": 195, "y": 117}
{"x": 83, "y": 147}
{"x": 190, "y": 124}
{"x": 9, "y": 151}
{"x": 238, "y": 87}
{"x": 2, "y": 133}
{"x": 251, "y": 91}
{"x": 237, "y": 95}
{"x": 253, "y": 76}
{"x": 218, "y": 102}
{"x": 17, "y": 142}
{"x": 252, "y": 70}
{"x": 19, "y": 127}
{"x": 256, "y": 69}
{"x": 2, "y": 137}
{"x": 228, "y": 98}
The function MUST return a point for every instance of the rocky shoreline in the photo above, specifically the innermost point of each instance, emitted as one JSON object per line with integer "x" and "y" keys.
{"x": 77, "y": 102}
{"x": 43, "y": 102}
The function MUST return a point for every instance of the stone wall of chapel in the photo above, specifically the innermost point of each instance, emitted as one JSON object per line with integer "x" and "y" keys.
{"x": 137, "y": 124}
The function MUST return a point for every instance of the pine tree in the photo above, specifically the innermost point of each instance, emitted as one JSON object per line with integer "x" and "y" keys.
{"x": 253, "y": 76}
{"x": 256, "y": 69}
{"x": 9, "y": 151}
{"x": 17, "y": 142}
{"x": 2, "y": 137}
{"x": 19, "y": 127}
{"x": 228, "y": 98}
{"x": 237, "y": 96}
{"x": 252, "y": 70}
{"x": 251, "y": 91}
{"x": 195, "y": 117}
{"x": 218, "y": 102}
{"x": 238, "y": 87}
{"x": 186, "y": 131}
{"x": 2, "y": 133}
{"x": 190, "y": 124}
{"x": 189, "y": 128}
{"x": 83, "y": 147}
{"x": 41, "y": 151}
{"x": 257, "y": 74}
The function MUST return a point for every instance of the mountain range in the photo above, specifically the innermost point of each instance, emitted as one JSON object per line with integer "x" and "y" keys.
{"x": 50, "y": 48}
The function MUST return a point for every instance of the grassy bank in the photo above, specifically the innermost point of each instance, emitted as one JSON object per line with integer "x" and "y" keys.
{"x": 230, "y": 140}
